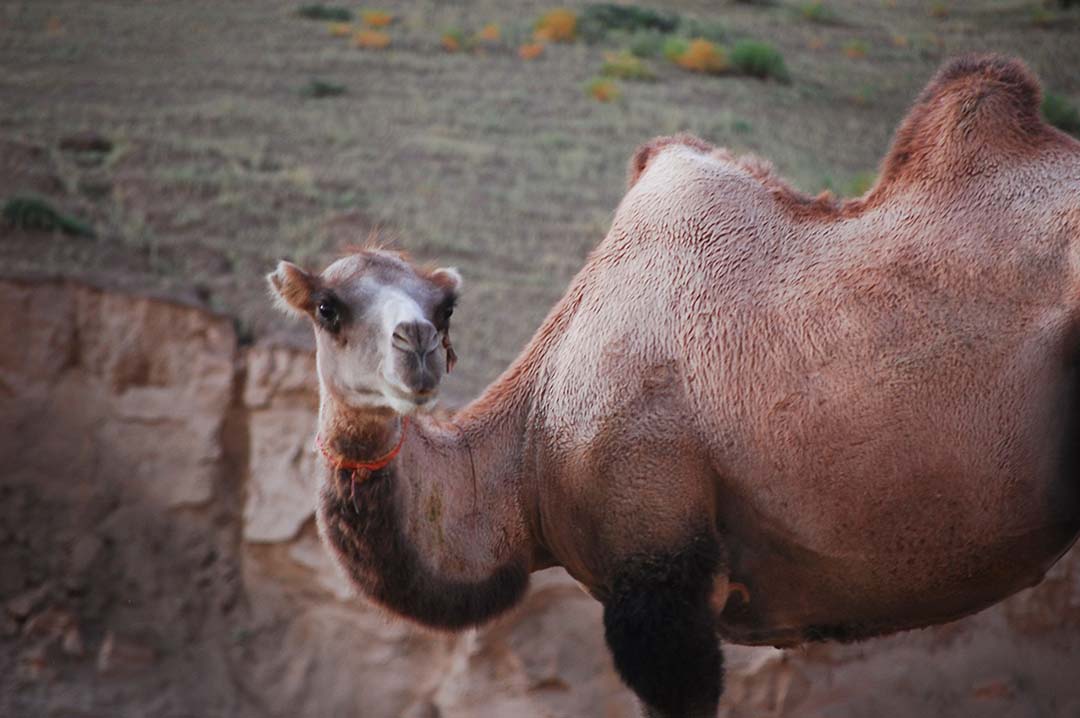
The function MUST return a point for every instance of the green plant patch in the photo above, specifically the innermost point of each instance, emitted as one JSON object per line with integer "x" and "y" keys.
{"x": 317, "y": 89}
{"x": 645, "y": 43}
{"x": 818, "y": 12}
{"x": 34, "y": 213}
{"x": 598, "y": 20}
{"x": 674, "y": 48}
{"x": 626, "y": 66}
{"x": 331, "y": 13}
{"x": 1061, "y": 113}
{"x": 860, "y": 184}
{"x": 759, "y": 59}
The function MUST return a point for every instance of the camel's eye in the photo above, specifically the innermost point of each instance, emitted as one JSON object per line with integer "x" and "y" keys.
{"x": 443, "y": 313}
{"x": 329, "y": 314}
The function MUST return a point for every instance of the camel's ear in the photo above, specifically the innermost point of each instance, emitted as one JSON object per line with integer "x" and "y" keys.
{"x": 449, "y": 278}
{"x": 293, "y": 288}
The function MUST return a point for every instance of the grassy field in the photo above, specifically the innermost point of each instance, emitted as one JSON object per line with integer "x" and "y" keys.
{"x": 225, "y": 150}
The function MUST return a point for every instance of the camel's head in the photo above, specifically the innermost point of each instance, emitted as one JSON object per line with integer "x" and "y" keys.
{"x": 381, "y": 326}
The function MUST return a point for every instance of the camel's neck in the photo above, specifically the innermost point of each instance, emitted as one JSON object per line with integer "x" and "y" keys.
{"x": 439, "y": 535}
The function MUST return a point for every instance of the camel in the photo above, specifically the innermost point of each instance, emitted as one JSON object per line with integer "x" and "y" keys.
{"x": 755, "y": 416}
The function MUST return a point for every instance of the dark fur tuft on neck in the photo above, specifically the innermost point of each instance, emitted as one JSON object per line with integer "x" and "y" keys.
{"x": 361, "y": 525}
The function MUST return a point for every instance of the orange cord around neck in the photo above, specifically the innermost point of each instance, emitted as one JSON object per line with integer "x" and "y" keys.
{"x": 340, "y": 462}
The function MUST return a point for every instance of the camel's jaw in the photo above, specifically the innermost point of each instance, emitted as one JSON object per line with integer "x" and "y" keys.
{"x": 414, "y": 404}
{"x": 389, "y": 396}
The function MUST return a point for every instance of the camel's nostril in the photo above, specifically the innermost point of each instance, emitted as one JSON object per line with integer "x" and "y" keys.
{"x": 419, "y": 336}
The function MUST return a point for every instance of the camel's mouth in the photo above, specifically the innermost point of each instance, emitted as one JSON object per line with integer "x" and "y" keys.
{"x": 409, "y": 402}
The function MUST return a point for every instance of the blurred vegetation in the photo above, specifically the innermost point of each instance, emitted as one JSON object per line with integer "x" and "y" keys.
{"x": 860, "y": 184}
{"x": 35, "y": 213}
{"x": 319, "y": 11}
{"x": 454, "y": 40}
{"x": 371, "y": 39}
{"x": 1061, "y": 113}
{"x": 856, "y": 49}
{"x": 626, "y": 66}
{"x": 703, "y": 56}
{"x": 759, "y": 59}
{"x": 599, "y": 21}
{"x": 376, "y": 18}
{"x": 602, "y": 89}
{"x": 818, "y": 11}
{"x": 558, "y": 25}
{"x": 317, "y": 89}
{"x": 710, "y": 30}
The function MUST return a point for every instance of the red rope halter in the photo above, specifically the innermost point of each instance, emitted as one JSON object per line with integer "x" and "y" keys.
{"x": 340, "y": 462}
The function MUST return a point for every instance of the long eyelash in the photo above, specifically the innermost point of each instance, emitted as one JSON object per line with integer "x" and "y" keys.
{"x": 339, "y": 307}
{"x": 447, "y": 306}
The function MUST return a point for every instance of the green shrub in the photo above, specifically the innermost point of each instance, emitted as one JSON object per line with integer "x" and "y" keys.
{"x": 626, "y": 66}
{"x": 645, "y": 43}
{"x": 674, "y": 48}
{"x": 817, "y": 11}
{"x": 321, "y": 88}
{"x": 759, "y": 59}
{"x": 324, "y": 12}
{"x": 36, "y": 213}
{"x": 1061, "y": 113}
{"x": 860, "y": 184}
{"x": 598, "y": 20}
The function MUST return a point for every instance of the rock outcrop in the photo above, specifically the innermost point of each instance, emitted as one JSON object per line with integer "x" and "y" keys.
{"x": 159, "y": 557}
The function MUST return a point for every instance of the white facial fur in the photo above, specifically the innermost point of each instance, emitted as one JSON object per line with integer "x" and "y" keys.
{"x": 356, "y": 364}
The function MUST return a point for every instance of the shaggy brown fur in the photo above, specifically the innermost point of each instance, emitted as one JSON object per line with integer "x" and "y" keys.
{"x": 870, "y": 406}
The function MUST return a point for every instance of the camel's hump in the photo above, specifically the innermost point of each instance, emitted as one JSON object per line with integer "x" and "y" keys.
{"x": 979, "y": 113}
{"x": 975, "y": 104}
{"x": 650, "y": 149}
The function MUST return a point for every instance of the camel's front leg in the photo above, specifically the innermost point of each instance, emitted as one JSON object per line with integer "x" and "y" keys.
{"x": 661, "y": 627}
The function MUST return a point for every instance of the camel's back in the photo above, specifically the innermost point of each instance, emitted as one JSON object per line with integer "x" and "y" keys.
{"x": 884, "y": 388}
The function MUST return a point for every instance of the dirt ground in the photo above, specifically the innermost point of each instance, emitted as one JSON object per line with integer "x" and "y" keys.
{"x": 218, "y": 164}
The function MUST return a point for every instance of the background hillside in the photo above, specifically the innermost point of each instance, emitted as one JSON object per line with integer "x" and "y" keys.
{"x": 220, "y": 161}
